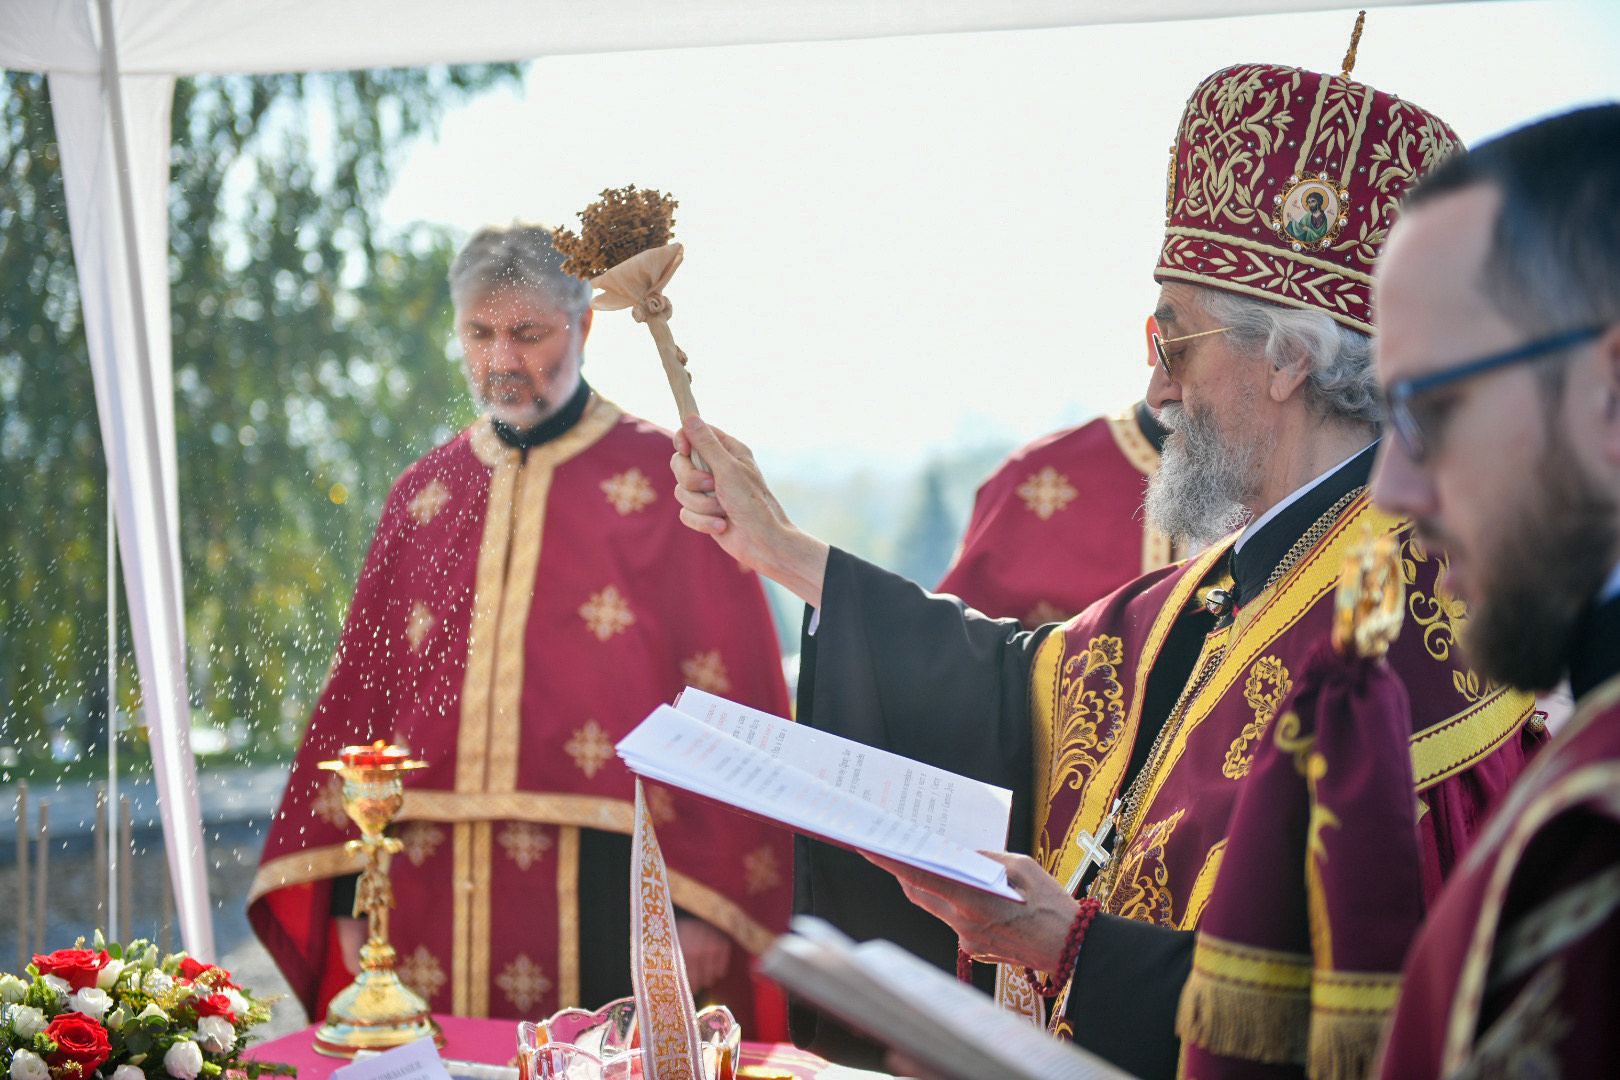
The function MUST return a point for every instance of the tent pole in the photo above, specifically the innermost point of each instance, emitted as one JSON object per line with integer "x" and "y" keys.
{"x": 174, "y": 766}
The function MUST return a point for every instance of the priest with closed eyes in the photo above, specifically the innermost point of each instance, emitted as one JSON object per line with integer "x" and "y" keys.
{"x": 1128, "y": 732}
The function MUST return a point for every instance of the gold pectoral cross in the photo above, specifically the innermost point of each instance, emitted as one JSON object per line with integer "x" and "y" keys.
{"x": 1091, "y": 848}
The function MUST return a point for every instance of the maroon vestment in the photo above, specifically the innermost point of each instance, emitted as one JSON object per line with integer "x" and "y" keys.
{"x": 1516, "y": 972}
{"x": 1059, "y": 524}
{"x": 518, "y": 612}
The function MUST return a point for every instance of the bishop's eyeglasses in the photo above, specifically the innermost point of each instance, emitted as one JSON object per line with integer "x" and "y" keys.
{"x": 1163, "y": 354}
{"x": 1415, "y": 423}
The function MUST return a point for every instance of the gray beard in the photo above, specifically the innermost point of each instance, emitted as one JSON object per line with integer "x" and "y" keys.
{"x": 1204, "y": 480}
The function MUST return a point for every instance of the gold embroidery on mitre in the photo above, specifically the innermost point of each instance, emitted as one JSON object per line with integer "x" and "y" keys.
{"x": 524, "y": 843}
{"x": 628, "y": 492}
{"x": 420, "y": 839}
{"x": 590, "y": 748}
{"x": 1265, "y": 689}
{"x": 760, "y": 871}
{"x": 422, "y": 972}
{"x": 607, "y": 613}
{"x": 418, "y": 625}
{"x": 1046, "y": 492}
{"x": 523, "y": 983}
{"x": 1142, "y": 891}
{"x": 328, "y": 804}
{"x": 425, "y": 504}
{"x": 707, "y": 671}
{"x": 660, "y": 804}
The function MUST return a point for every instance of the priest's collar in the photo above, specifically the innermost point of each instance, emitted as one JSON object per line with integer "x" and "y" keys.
{"x": 1594, "y": 646}
{"x": 1266, "y": 542}
{"x": 557, "y": 424}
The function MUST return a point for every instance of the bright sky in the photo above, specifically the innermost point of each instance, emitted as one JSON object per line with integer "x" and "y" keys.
{"x": 895, "y": 247}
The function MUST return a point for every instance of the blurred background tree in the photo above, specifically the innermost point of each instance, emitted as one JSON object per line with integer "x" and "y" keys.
{"x": 310, "y": 368}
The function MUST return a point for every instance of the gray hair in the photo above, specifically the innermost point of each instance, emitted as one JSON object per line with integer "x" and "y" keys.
{"x": 1339, "y": 385}
{"x": 517, "y": 256}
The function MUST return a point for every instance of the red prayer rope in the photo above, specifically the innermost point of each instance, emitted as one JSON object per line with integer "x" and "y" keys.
{"x": 1071, "y": 952}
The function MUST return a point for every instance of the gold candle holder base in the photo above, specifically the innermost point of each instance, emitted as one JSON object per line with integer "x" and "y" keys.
{"x": 376, "y": 1011}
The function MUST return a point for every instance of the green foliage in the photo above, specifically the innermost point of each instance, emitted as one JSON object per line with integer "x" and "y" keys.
{"x": 309, "y": 369}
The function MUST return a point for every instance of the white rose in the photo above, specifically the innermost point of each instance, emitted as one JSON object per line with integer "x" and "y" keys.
{"x": 57, "y": 983}
{"x": 26, "y": 1021}
{"x": 152, "y": 1012}
{"x": 183, "y": 1060}
{"x": 239, "y": 1004}
{"x": 117, "y": 1018}
{"x": 92, "y": 1002}
{"x": 12, "y": 989}
{"x": 27, "y": 1065}
{"x": 215, "y": 1033}
{"x": 128, "y": 1072}
{"x": 107, "y": 976}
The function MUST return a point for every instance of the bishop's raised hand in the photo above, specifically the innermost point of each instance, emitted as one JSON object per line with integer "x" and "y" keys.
{"x": 733, "y": 504}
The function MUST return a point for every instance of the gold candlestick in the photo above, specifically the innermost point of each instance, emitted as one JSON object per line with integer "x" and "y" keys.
{"x": 375, "y": 1011}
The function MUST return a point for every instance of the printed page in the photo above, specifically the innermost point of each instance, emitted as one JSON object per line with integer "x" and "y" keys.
{"x": 683, "y": 751}
{"x": 957, "y": 808}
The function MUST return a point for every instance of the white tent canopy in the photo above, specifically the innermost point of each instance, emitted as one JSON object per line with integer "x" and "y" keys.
{"x": 111, "y": 94}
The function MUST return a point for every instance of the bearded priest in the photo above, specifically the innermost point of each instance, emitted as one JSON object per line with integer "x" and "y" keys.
{"x": 1126, "y": 733}
{"x": 524, "y": 603}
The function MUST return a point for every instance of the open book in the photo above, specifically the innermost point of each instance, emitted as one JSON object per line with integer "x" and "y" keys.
{"x": 826, "y": 786}
{"x": 908, "y": 1004}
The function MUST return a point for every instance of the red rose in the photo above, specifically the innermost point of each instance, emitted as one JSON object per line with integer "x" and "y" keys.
{"x": 191, "y": 969}
{"x": 81, "y": 1044}
{"x": 78, "y": 966}
{"x": 214, "y": 1005}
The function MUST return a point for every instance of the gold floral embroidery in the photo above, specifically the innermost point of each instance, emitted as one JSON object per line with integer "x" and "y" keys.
{"x": 328, "y": 804}
{"x": 523, "y": 983}
{"x": 1093, "y": 708}
{"x": 1143, "y": 891}
{"x": 421, "y": 840}
{"x": 425, "y": 504}
{"x": 418, "y": 625}
{"x": 1267, "y": 686}
{"x": 1046, "y": 492}
{"x": 760, "y": 871}
{"x": 1441, "y": 617}
{"x": 590, "y": 748}
{"x": 707, "y": 671}
{"x": 525, "y": 842}
{"x": 606, "y": 613}
{"x": 422, "y": 972}
{"x": 628, "y": 492}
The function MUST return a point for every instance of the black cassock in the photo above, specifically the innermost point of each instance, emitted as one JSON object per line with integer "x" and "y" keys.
{"x": 893, "y": 666}
{"x": 896, "y": 667}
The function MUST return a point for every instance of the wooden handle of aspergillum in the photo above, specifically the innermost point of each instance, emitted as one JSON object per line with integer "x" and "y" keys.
{"x": 680, "y": 382}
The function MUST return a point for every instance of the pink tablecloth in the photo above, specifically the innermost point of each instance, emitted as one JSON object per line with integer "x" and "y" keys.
{"x": 495, "y": 1041}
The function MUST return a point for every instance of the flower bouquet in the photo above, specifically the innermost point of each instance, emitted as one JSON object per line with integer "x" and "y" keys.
{"x": 122, "y": 1013}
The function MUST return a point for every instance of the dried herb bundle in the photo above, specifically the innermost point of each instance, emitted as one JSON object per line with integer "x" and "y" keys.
{"x": 624, "y": 222}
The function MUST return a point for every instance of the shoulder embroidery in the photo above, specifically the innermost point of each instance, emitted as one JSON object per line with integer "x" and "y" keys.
{"x": 628, "y": 492}
{"x": 425, "y": 504}
{"x": 1047, "y": 492}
